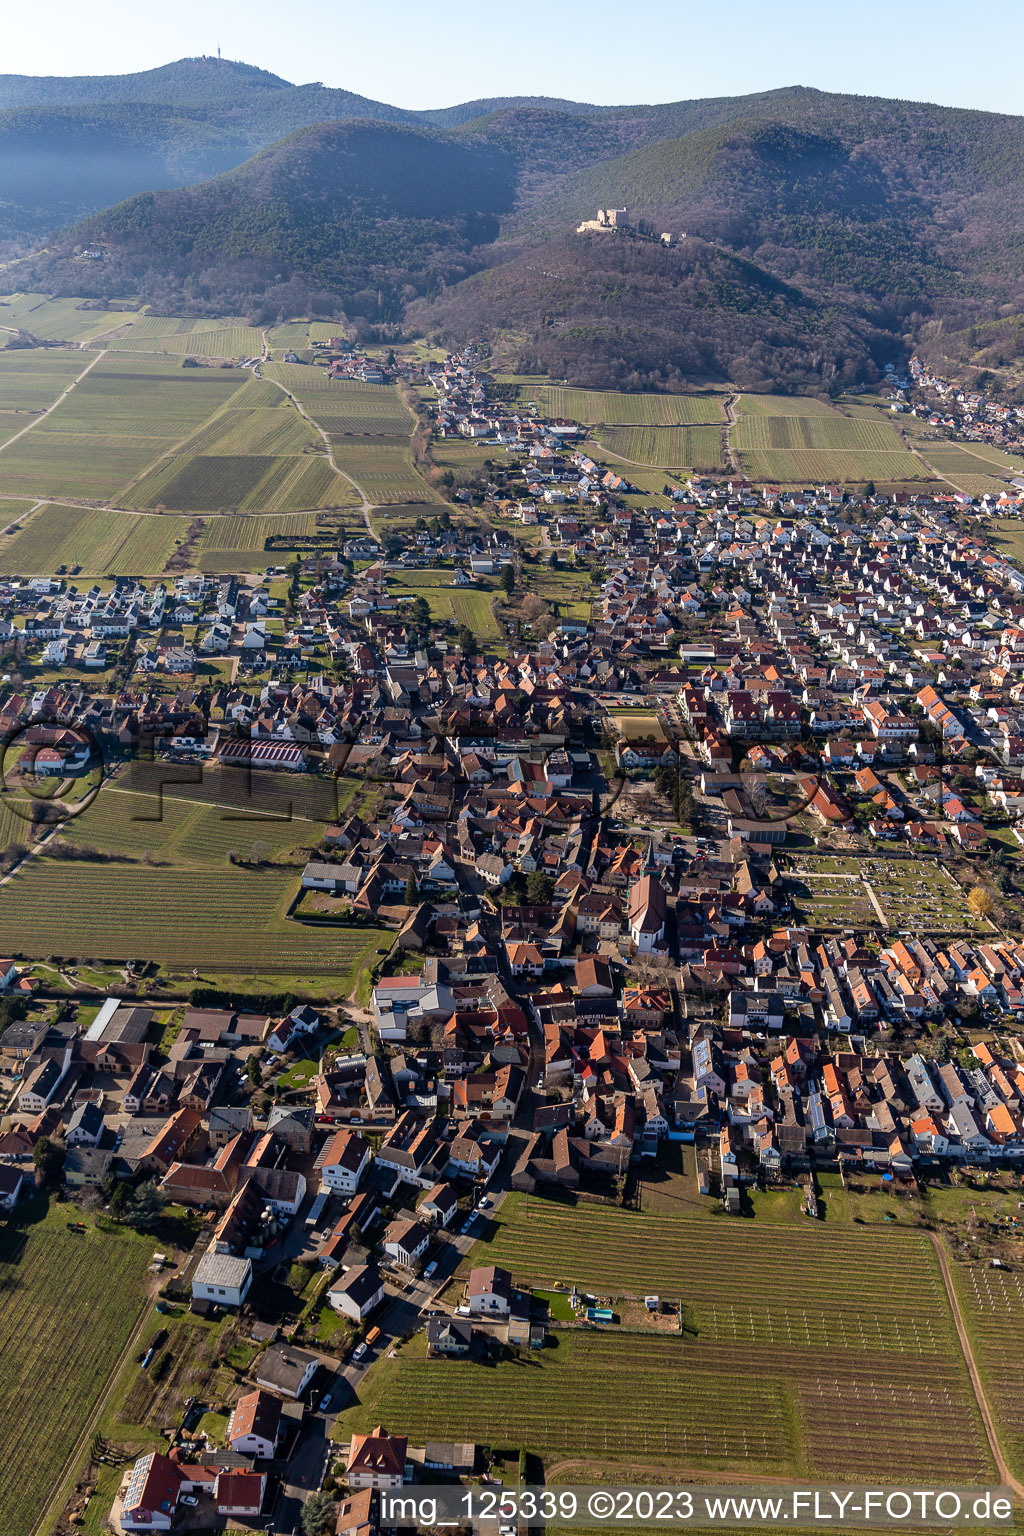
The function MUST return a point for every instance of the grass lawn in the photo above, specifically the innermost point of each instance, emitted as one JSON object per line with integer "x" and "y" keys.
{"x": 300, "y": 1073}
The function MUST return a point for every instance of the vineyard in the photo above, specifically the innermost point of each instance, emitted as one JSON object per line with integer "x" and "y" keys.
{"x": 781, "y": 405}
{"x": 251, "y": 533}
{"x": 59, "y": 1338}
{"x": 670, "y": 447}
{"x": 226, "y": 919}
{"x": 240, "y": 483}
{"x": 345, "y": 406}
{"x": 57, "y": 319}
{"x": 153, "y": 879}
{"x": 601, "y": 407}
{"x": 822, "y": 431}
{"x": 384, "y": 469}
{"x": 811, "y": 466}
{"x": 596, "y": 1396}
{"x": 178, "y": 337}
{"x": 229, "y": 789}
{"x": 992, "y": 1301}
{"x": 853, "y": 1328}
{"x": 102, "y": 543}
{"x": 119, "y": 419}
{"x": 974, "y": 467}
{"x": 804, "y": 442}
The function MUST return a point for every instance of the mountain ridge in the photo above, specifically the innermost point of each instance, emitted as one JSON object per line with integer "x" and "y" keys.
{"x": 885, "y": 219}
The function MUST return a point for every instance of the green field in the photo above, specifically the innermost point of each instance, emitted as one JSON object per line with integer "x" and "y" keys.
{"x": 63, "y": 1325}
{"x": 974, "y": 467}
{"x": 343, "y": 406}
{"x": 369, "y": 430}
{"x": 57, "y": 319}
{"x": 591, "y": 1398}
{"x": 30, "y": 382}
{"x": 670, "y": 447}
{"x": 240, "y": 483}
{"x": 600, "y": 407}
{"x": 460, "y": 605}
{"x": 782, "y": 405}
{"x": 848, "y": 1333}
{"x": 384, "y": 469}
{"x": 164, "y": 889}
{"x": 108, "y": 543}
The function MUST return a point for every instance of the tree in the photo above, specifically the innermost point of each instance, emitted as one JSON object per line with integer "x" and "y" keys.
{"x": 467, "y": 640}
{"x": 411, "y": 895}
{"x": 553, "y": 559}
{"x": 48, "y": 1157}
{"x": 981, "y": 902}
{"x": 145, "y": 1206}
{"x": 539, "y": 888}
{"x": 119, "y": 1198}
{"x": 252, "y": 1071}
{"x": 318, "y": 1514}
{"x": 507, "y": 580}
{"x": 420, "y": 613}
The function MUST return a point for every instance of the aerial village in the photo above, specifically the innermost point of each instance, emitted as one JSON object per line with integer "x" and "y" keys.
{"x": 725, "y": 857}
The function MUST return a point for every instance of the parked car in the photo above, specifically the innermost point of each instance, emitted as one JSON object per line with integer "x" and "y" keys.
{"x": 431, "y": 1269}
{"x": 325, "y": 1403}
{"x": 359, "y": 1351}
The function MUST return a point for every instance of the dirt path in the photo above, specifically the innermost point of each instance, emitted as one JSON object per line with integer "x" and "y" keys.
{"x": 1005, "y": 1475}
{"x": 23, "y": 518}
{"x": 728, "y": 452}
{"x": 59, "y": 401}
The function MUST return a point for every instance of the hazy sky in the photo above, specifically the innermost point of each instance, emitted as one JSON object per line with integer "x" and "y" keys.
{"x": 418, "y": 54}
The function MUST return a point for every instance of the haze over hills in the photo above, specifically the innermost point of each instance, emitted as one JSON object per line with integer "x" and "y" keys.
{"x": 825, "y": 233}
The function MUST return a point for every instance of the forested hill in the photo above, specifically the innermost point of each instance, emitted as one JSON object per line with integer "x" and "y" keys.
{"x": 354, "y": 215}
{"x": 627, "y": 314}
{"x": 843, "y": 228}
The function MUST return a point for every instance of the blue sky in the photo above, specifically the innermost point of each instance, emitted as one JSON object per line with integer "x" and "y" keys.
{"x": 418, "y": 54}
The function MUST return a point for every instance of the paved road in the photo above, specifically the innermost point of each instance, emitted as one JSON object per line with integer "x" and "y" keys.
{"x": 405, "y": 1305}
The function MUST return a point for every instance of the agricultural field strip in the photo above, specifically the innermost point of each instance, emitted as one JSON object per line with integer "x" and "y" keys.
{"x": 992, "y": 1303}
{"x": 698, "y": 447}
{"x": 703, "y": 1406}
{"x": 48, "y": 1390}
{"x": 181, "y": 446}
{"x": 616, "y": 409}
{"x": 42, "y": 417}
{"x": 226, "y": 918}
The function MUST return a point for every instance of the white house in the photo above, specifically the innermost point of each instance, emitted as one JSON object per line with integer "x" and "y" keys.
{"x": 489, "y": 1292}
{"x": 222, "y": 1278}
{"x": 343, "y": 1161}
{"x": 151, "y": 1497}
{"x": 406, "y": 1241}
{"x": 12, "y": 1181}
{"x": 357, "y": 1291}
{"x": 254, "y": 1428}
